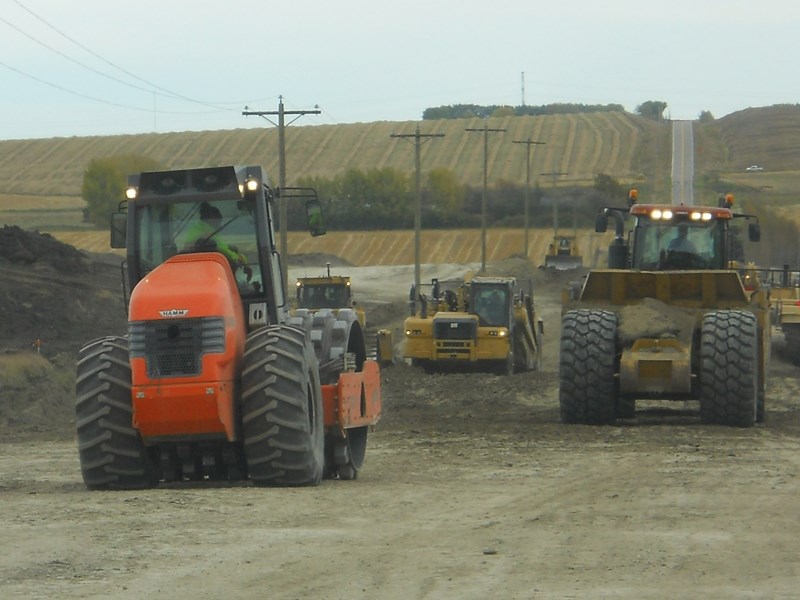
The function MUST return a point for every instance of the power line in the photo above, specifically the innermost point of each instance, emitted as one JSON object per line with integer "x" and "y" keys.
{"x": 164, "y": 92}
{"x": 281, "y": 125}
{"x": 418, "y": 140}
{"x": 485, "y": 129}
{"x": 528, "y": 144}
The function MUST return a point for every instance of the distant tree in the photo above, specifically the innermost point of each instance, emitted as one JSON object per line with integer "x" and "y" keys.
{"x": 445, "y": 192}
{"x": 609, "y": 186}
{"x": 503, "y": 111}
{"x": 470, "y": 111}
{"x": 357, "y": 200}
{"x": 706, "y": 116}
{"x": 652, "y": 109}
{"x": 104, "y": 182}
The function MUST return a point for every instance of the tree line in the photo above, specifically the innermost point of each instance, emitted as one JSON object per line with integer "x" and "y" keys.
{"x": 650, "y": 109}
{"x": 386, "y": 198}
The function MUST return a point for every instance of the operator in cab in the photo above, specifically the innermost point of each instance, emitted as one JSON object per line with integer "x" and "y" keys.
{"x": 204, "y": 235}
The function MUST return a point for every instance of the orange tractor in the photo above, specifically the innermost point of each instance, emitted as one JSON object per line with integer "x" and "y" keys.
{"x": 212, "y": 381}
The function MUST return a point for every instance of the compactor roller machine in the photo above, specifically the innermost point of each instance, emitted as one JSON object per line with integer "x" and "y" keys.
{"x": 211, "y": 380}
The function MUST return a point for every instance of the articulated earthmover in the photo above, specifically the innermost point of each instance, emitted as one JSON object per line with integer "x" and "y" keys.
{"x": 784, "y": 285}
{"x": 667, "y": 320}
{"x": 485, "y": 322}
{"x": 212, "y": 382}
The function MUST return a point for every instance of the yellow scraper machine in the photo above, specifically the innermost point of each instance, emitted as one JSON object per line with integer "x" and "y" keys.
{"x": 481, "y": 322}
{"x": 668, "y": 319}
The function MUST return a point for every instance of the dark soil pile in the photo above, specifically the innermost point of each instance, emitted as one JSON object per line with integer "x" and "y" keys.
{"x": 54, "y": 297}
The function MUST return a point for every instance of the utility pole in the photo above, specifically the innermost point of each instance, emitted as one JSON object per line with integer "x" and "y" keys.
{"x": 282, "y": 211}
{"x": 485, "y": 129}
{"x": 555, "y": 174}
{"x": 418, "y": 139}
{"x": 528, "y": 143}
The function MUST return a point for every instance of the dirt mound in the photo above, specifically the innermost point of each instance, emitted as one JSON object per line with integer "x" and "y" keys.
{"x": 22, "y": 247}
{"x": 55, "y": 297}
{"x": 654, "y": 319}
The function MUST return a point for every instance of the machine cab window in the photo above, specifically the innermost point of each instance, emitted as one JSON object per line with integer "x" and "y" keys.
{"x": 226, "y": 226}
{"x": 663, "y": 245}
{"x": 491, "y": 306}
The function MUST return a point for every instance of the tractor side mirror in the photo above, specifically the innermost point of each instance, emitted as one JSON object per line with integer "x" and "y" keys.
{"x": 754, "y": 232}
{"x": 316, "y": 226}
{"x": 119, "y": 230}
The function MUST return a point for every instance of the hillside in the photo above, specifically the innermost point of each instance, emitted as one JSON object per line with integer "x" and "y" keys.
{"x": 40, "y": 180}
{"x": 369, "y": 248}
{"x": 580, "y": 145}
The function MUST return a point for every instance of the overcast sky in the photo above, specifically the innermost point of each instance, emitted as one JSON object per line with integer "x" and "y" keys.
{"x": 101, "y": 67}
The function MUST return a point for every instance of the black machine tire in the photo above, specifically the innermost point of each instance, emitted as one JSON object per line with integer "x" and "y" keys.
{"x": 728, "y": 369}
{"x": 112, "y": 454}
{"x": 282, "y": 418}
{"x": 348, "y": 454}
{"x": 588, "y": 390}
{"x": 791, "y": 334}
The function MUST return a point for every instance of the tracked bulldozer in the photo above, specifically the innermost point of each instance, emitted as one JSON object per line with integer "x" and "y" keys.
{"x": 483, "y": 323}
{"x": 669, "y": 319}
{"x": 562, "y": 254}
{"x": 213, "y": 381}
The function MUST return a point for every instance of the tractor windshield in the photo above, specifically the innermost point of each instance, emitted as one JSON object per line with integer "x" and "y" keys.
{"x": 491, "y": 304}
{"x": 665, "y": 245}
{"x": 323, "y": 296}
{"x": 224, "y": 226}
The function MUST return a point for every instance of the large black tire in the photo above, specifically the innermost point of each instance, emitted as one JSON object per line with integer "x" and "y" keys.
{"x": 282, "y": 420}
{"x": 112, "y": 454}
{"x": 728, "y": 369}
{"x": 588, "y": 389}
{"x": 791, "y": 334}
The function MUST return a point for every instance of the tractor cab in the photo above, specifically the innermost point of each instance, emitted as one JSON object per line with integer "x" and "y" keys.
{"x": 491, "y": 302}
{"x": 676, "y": 237}
{"x": 226, "y": 210}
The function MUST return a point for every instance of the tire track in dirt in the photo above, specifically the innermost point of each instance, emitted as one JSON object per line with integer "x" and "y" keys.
{"x": 566, "y": 157}
{"x": 594, "y": 149}
{"x": 628, "y": 152}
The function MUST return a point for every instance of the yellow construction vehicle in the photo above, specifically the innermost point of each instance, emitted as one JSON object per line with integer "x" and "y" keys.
{"x": 784, "y": 286}
{"x": 562, "y": 254}
{"x": 327, "y": 291}
{"x": 333, "y": 293}
{"x": 669, "y": 319}
{"x": 484, "y": 322}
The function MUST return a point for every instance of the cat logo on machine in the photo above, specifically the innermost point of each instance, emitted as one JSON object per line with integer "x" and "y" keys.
{"x": 174, "y": 313}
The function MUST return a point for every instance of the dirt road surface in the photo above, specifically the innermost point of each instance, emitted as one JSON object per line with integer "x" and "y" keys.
{"x": 471, "y": 489}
